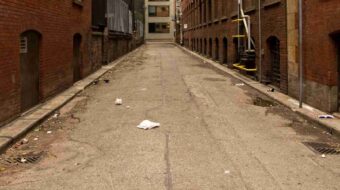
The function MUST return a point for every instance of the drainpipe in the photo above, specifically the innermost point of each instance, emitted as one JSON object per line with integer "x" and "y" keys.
{"x": 260, "y": 41}
{"x": 300, "y": 54}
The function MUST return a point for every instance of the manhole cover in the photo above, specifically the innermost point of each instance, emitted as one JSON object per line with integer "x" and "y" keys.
{"x": 24, "y": 159}
{"x": 323, "y": 148}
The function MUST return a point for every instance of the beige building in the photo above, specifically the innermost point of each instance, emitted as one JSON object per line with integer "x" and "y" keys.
{"x": 159, "y": 20}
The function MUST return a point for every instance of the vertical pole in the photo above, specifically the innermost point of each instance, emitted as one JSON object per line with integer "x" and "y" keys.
{"x": 260, "y": 41}
{"x": 300, "y": 54}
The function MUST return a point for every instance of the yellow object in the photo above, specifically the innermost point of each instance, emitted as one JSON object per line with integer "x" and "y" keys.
{"x": 239, "y": 36}
{"x": 243, "y": 68}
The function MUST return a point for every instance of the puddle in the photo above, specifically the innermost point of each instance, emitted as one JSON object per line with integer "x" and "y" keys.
{"x": 258, "y": 101}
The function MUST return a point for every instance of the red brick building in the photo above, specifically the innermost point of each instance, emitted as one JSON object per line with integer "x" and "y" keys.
{"x": 44, "y": 49}
{"x": 212, "y": 28}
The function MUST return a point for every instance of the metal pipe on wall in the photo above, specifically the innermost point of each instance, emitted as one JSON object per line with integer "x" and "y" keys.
{"x": 300, "y": 54}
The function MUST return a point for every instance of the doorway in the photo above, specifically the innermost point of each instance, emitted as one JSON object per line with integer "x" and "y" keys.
{"x": 76, "y": 57}
{"x": 274, "y": 60}
{"x": 336, "y": 38}
{"x": 29, "y": 69}
{"x": 217, "y": 49}
{"x": 225, "y": 51}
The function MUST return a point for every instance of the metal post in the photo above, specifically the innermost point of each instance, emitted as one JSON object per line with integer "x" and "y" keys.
{"x": 300, "y": 54}
{"x": 260, "y": 41}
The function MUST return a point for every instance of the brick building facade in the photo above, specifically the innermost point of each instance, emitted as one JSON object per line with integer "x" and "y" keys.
{"x": 211, "y": 28}
{"x": 46, "y": 46}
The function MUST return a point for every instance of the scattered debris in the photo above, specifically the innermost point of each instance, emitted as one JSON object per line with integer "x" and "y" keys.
{"x": 146, "y": 124}
{"x": 35, "y": 139}
{"x": 323, "y": 156}
{"x": 128, "y": 107}
{"x": 227, "y": 172}
{"x": 24, "y": 141}
{"x": 239, "y": 84}
{"x": 37, "y": 129}
{"x": 56, "y": 115}
{"x": 23, "y": 160}
{"x": 95, "y": 82}
{"x": 271, "y": 90}
{"x": 119, "y": 101}
{"x": 49, "y": 132}
{"x": 326, "y": 117}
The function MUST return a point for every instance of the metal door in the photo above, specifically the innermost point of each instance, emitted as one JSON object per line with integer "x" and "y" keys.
{"x": 76, "y": 58}
{"x": 29, "y": 69}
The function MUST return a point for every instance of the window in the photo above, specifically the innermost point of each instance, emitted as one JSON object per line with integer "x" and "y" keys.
{"x": 159, "y": 27}
{"x": 159, "y": 11}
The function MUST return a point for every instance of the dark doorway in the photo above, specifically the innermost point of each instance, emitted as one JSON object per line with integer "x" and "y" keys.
{"x": 210, "y": 48}
{"x": 205, "y": 47}
{"x": 274, "y": 60}
{"x": 29, "y": 69}
{"x": 236, "y": 51}
{"x": 225, "y": 51}
{"x": 201, "y": 46}
{"x": 76, "y": 57}
{"x": 217, "y": 49}
{"x": 336, "y": 38}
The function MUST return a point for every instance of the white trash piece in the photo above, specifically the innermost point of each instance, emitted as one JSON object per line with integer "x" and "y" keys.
{"x": 326, "y": 117}
{"x": 146, "y": 124}
{"x": 119, "y": 101}
{"x": 239, "y": 84}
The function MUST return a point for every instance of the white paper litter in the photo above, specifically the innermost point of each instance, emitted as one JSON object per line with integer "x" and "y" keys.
{"x": 146, "y": 124}
{"x": 239, "y": 84}
{"x": 119, "y": 101}
{"x": 326, "y": 117}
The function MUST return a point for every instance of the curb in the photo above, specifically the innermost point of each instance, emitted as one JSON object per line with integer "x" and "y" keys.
{"x": 309, "y": 113}
{"x": 19, "y": 127}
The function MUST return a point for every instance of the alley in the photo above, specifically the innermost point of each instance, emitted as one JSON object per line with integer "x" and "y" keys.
{"x": 214, "y": 134}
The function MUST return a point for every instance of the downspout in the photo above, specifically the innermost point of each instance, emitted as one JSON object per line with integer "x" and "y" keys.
{"x": 260, "y": 41}
{"x": 300, "y": 54}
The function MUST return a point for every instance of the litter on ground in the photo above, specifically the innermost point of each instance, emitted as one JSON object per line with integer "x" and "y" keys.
{"x": 146, "y": 124}
{"x": 271, "y": 90}
{"x": 326, "y": 117}
{"x": 239, "y": 84}
{"x": 119, "y": 101}
{"x": 49, "y": 132}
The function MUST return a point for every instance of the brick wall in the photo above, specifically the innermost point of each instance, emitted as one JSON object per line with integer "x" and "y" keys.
{"x": 221, "y": 27}
{"x": 57, "y": 22}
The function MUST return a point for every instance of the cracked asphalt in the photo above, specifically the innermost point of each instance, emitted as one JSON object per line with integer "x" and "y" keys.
{"x": 212, "y": 135}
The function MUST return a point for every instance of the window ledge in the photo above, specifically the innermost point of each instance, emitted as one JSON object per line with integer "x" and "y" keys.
{"x": 272, "y": 3}
{"x": 78, "y": 3}
{"x": 250, "y": 9}
{"x": 224, "y": 18}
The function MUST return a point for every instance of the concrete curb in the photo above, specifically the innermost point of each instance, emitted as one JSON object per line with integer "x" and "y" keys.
{"x": 16, "y": 129}
{"x": 312, "y": 114}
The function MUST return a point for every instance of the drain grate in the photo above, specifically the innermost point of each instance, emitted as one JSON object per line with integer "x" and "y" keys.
{"x": 26, "y": 159}
{"x": 323, "y": 148}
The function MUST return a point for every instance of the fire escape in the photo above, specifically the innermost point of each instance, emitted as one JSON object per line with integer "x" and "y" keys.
{"x": 245, "y": 45}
